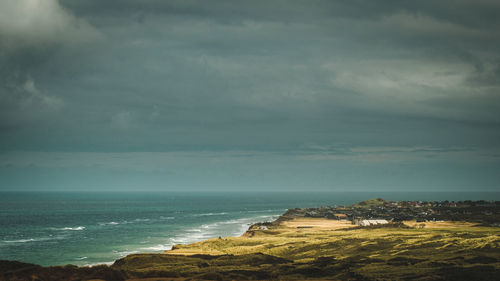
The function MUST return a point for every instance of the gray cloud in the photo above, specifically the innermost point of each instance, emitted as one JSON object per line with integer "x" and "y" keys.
{"x": 31, "y": 34}
{"x": 265, "y": 76}
{"x": 40, "y": 24}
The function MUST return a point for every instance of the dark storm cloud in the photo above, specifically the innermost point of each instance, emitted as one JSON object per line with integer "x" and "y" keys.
{"x": 288, "y": 78}
{"x": 255, "y": 68}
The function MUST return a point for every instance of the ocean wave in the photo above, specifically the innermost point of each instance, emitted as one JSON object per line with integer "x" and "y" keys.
{"x": 209, "y": 214}
{"x": 81, "y": 258}
{"x": 33, "y": 239}
{"x": 125, "y": 222}
{"x": 234, "y": 221}
{"x": 266, "y": 211}
{"x": 19, "y": 241}
{"x": 109, "y": 223}
{"x": 73, "y": 228}
{"x": 166, "y": 218}
{"x": 157, "y": 248}
{"x": 270, "y": 217}
{"x": 182, "y": 240}
{"x": 232, "y": 227}
{"x": 125, "y": 253}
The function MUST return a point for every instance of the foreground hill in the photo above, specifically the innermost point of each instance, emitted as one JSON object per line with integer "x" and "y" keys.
{"x": 308, "y": 248}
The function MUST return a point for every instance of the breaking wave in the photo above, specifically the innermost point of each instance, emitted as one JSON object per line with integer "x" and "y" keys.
{"x": 209, "y": 214}
{"x": 73, "y": 228}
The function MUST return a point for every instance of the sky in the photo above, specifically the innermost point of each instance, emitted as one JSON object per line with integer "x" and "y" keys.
{"x": 228, "y": 95}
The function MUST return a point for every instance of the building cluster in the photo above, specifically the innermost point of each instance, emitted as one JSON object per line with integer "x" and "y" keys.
{"x": 487, "y": 212}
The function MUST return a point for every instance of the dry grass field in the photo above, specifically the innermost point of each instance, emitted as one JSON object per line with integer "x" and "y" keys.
{"x": 441, "y": 224}
{"x": 314, "y": 223}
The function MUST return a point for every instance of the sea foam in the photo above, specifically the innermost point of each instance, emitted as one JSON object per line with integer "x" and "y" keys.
{"x": 19, "y": 241}
{"x": 33, "y": 239}
{"x": 73, "y": 228}
{"x": 232, "y": 227}
{"x": 209, "y": 214}
{"x": 109, "y": 223}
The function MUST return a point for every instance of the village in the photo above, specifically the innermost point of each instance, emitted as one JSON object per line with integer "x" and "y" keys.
{"x": 379, "y": 211}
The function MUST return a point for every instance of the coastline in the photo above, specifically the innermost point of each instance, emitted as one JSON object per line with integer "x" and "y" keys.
{"x": 299, "y": 246}
{"x": 195, "y": 235}
{"x": 62, "y": 228}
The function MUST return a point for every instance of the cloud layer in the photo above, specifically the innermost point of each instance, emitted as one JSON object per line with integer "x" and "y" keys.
{"x": 259, "y": 76}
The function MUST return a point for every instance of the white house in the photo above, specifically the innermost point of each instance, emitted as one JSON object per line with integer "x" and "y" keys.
{"x": 372, "y": 222}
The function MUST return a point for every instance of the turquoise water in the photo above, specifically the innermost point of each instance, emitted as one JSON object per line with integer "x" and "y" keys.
{"x": 91, "y": 228}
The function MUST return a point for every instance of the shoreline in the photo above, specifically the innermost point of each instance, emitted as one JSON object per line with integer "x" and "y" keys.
{"x": 242, "y": 229}
{"x": 308, "y": 244}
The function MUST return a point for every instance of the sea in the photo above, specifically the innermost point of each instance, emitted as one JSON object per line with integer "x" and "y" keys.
{"x": 89, "y": 228}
